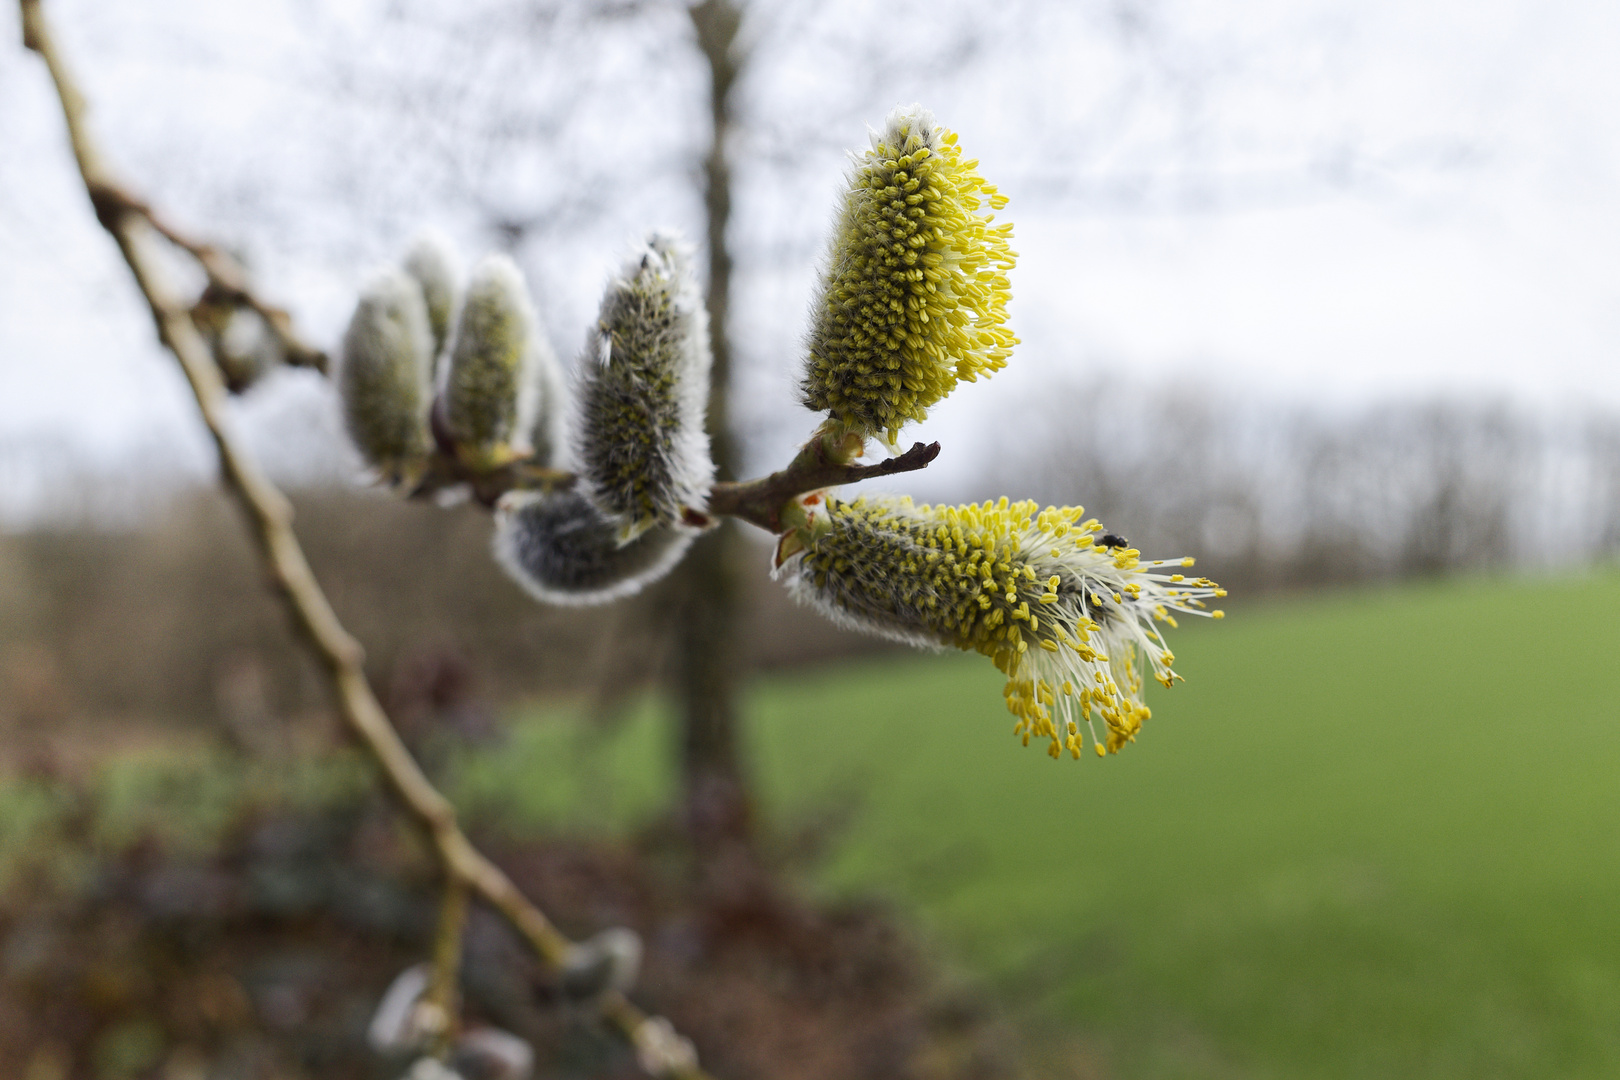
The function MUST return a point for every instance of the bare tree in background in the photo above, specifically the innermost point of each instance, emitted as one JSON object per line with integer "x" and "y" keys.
{"x": 717, "y": 803}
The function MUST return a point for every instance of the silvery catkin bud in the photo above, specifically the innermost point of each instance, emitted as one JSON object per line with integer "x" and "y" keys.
{"x": 384, "y": 379}
{"x": 432, "y": 262}
{"x": 642, "y": 453}
{"x": 1063, "y": 615}
{"x": 490, "y": 389}
{"x": 913, "y": 296}
{"x": 558, "y": 547}
{"x": 548, "y": 430}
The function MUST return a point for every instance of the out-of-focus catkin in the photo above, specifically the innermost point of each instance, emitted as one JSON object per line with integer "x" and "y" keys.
{"x": 432, "y": 261}
{"x": 558, "y": 547}
{"x": 490, "y": 388}
{"x": 913, "y": 295}
{"x": 384, "y": 378}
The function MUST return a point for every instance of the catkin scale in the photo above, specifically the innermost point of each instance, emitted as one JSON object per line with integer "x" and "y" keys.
{"x": 641, "y": 450}
{"x": 384, "y": 376}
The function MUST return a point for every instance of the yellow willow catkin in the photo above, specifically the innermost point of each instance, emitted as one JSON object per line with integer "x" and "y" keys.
{"x": 384, "y": 376}
{"x": 1067, "y": 620}
{"x": 913, "y": 296}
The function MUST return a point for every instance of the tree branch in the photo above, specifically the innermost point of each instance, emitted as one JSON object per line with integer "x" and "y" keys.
{"x": 228, "y": 283}
{"x": 268, "y": 513}
{"x": 760, "y": 502}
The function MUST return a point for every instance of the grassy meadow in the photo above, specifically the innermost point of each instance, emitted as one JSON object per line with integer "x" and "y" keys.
{"x": 1374, "y": 834}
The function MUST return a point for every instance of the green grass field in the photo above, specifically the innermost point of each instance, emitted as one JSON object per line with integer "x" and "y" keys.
{"x": 1373, "y": 835}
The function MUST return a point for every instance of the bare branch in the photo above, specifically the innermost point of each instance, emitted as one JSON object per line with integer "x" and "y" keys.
{"x": 227, "y": 279}
{"x": 131, "y": 224}
{"x": 760, "y": 502}
{"x": 441, "y": 1003}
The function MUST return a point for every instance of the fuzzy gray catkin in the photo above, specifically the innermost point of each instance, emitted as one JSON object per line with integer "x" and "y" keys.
{"x": 432, "y": 261}
{"x": 490, "y": 391}
{"x": 562, "y": 551}
{"x": 642, "y": 453}
{"x": 548, "y": 430}
{"x": 384, "y": 378}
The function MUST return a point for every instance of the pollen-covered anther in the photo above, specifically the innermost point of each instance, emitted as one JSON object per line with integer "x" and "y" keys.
{"x": 974, "y": 577}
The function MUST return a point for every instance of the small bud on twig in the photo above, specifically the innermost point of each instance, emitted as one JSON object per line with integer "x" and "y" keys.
{"x": 607, "y": 962}
{"x": 492, "y": 1054}
{"x": 661, "y": 1050}
{"x": 395, "y": 1026}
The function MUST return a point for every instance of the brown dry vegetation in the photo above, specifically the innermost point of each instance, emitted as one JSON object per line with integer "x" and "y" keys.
{"x": 172, "y": 624}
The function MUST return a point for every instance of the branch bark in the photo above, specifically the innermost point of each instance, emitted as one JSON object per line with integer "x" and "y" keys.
{"x": 269, "y": 515}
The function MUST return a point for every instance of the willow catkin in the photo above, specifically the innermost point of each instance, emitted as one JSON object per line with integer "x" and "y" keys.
{"x": 913, "y": 294}
{"x": 558, "y": 547}
{"x": 384, "y": 375}
{"x": 1067, "y": 619}
{"x": 490, "y": 390}
{"x": 641, "y": 449}
{"x": 549, "y": 408}
{"x": 431, "y": 261}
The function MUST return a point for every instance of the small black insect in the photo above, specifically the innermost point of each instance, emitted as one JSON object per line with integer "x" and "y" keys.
{"x": 1109, "y": 540}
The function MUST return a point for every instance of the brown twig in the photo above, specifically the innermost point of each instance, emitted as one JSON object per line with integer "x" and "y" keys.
{"x": 228, "y": 284}
{"x": 760, "y": 502}
{"x": 441, "y": 1003}
{"x": 270, "y": 517}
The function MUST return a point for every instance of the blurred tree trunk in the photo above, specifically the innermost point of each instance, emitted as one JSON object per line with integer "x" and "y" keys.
{"x": 717, "y": 804}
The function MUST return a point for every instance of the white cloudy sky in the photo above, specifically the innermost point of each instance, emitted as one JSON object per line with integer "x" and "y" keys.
{"x": 1337, "y": 200}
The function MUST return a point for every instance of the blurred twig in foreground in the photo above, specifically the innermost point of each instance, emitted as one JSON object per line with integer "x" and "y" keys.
{"x": 130, "y": 223}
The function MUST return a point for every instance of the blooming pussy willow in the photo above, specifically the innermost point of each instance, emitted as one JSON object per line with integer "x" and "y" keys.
{"x": 913, "y": 296}
{"x": 1066, "y": 619}
{"x": 642, "y": 453}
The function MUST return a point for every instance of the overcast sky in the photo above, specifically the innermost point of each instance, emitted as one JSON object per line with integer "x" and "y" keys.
{"x": 1330, "y": 200}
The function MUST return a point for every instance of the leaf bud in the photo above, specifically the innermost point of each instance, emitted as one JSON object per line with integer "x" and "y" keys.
{"x": 607, "y": 962}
